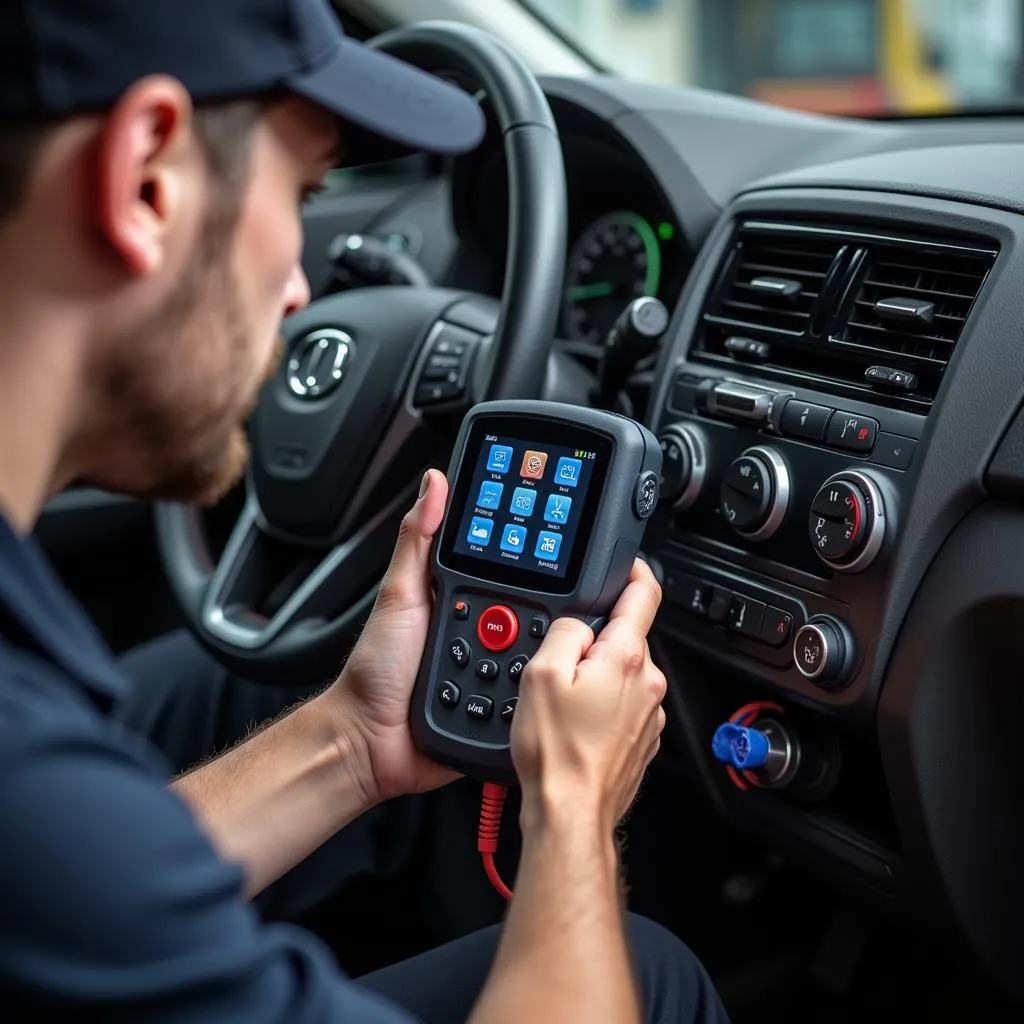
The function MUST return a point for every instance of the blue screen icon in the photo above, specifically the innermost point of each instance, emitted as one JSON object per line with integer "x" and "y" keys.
{"x": 548, "y": 546}
{"x": 513, "y": 538}
{"x": 480, "y": 531}
{"x": 500, "y": 458}
{"x": 523, "y": 500}
{"x": 557, "y": 509}
{"x": 568, "y": 472}
{"x": 490, "y": 494}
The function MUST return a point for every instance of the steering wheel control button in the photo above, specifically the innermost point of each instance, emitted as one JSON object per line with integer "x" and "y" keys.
{"x": 487, "y": 669}
{"x": 745, "y": 616}
{"x": 508, "y": 709}
{"x": 645, "y": 500}
{"x": 824, "y": 652}
{"x": 516, "y": 667}
{"x": 852, "y": 432}
{"x": 777, "y": 627}
{"x": 847, "y": 522}
{"x": 538, "y": 627}
{"x": 460, "y": 652}
{"x": 497, "y": 628}
{"x": 449, "y": 694}
{"x": 460, "y": 611}
{"x": 804, "y": 420}
{"x": 479, "y": 707}
{"x": 443, "y": 377}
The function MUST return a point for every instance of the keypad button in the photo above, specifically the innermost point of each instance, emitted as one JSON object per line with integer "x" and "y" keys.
{"x": 460, "y": 611}
{"x": 516, "y": 666}
{"x": 479, "y": 707}
{"x": 449, "y": 694}
{"x": 538, "y": 627}
{"x": 460, "y": 652}
{"x": 487, "y": 669}
{"x": 497, "y": 628}
{"x": 508, "y": 709}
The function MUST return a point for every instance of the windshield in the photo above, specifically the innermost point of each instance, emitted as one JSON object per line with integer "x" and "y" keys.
{"x": 857, "y": 57}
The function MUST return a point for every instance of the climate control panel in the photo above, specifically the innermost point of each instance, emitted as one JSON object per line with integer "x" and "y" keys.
{"x": 847, "y": 521}
{"x": 755, "y": 493}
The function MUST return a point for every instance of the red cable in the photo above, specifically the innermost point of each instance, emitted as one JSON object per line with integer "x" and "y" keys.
{"x": 491, "y": 807}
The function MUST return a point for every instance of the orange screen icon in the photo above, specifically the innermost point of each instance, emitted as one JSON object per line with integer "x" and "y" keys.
{"x": 533, "y": 465}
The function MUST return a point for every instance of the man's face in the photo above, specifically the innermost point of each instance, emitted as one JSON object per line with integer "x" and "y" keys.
{"x": 186, "y": 375}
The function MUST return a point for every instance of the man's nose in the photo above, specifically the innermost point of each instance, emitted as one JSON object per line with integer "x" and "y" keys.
{"x": 296, "y": 294}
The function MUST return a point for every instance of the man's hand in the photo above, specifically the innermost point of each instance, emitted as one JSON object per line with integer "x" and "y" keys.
{"x": 589, "y": 718}
{"x": 371, "y": 698}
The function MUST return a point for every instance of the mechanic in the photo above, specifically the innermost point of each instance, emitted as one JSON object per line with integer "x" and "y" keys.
{"x": 152, "y": 166}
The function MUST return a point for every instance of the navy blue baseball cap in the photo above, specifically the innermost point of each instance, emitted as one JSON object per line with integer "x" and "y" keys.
{"x": 64, "y": 57}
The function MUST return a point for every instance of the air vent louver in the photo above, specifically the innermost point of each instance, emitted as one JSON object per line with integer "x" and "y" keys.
{"x": 806, "y": 301}
{"x": 910, "y": 307}
{"x": 774, "y": 280}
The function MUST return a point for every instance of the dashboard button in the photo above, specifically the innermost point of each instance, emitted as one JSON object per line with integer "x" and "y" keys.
{"x": 777, "y": 627}
{"x": 745, "y": 616}
{"x": 718, "y": 609}
{"x": 692, "y": 594}
{"x": 802, "y": 419}
{"x": 852, "y": 432}
{"x": 497, "y": 627}
{"x": 894, "y": 451}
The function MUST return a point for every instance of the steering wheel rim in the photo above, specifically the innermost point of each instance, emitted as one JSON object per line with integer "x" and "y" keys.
{"x": 310, "y": 633}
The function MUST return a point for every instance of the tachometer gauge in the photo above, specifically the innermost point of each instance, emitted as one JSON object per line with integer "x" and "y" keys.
{"x": 615, "y": 260}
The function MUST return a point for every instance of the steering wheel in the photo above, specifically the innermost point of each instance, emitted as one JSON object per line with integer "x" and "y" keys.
{"x": 365, "y": 400}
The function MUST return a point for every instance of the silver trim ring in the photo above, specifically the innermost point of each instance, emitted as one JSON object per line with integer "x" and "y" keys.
{"x": 874, "y": 527}
{"x": 781, "y": 492}
{"x": 693, "y": 441}
{"x": 318, "y": 363}
{"x": 825, "y": 651}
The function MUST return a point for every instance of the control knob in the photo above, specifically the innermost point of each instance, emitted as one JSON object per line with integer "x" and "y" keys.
{"x": 684, "y": 465}
{"x": 847, "y": 521}
{"x": 825, "y": 652}
{"x": 755, "y": 493}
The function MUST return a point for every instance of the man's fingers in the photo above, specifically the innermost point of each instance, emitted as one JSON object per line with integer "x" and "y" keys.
{"x": 405, "y": 577}
{"x": 560, "y": 652}
{"x": 640, "y": 600}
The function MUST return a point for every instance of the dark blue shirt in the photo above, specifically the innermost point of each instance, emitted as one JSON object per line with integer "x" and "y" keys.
{"x": 113, "y": 905}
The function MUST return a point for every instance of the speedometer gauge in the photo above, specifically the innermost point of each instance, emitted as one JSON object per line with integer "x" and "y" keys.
{"x": 615, "y": 260}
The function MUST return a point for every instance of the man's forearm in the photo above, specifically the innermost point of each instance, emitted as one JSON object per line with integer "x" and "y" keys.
{"x": 272, "y": 800}
{"x": 563, "y": 954}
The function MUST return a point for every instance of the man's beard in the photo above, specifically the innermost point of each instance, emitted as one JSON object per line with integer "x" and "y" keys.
{"x": 179, "y": 430}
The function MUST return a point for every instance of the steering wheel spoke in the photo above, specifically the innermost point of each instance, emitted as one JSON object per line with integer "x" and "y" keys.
{"x": 263, "y": 589}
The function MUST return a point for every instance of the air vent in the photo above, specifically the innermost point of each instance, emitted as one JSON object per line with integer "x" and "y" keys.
{"x": 774, "y": 280}
{"x": 910, "y": 304}
{"x": 843, "y": 307}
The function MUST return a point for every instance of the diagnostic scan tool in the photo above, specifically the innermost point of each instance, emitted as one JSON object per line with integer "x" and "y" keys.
{"x": 545, "y": 517}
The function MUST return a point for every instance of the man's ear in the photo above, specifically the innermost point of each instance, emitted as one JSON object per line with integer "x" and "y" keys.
{"x": 141, "y": 170}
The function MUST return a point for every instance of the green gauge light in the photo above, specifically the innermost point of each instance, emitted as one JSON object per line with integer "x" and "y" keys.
{"x": 666, "y": 231}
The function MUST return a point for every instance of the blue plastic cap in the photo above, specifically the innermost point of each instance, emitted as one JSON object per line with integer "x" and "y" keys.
{"x": 739, "y": 746}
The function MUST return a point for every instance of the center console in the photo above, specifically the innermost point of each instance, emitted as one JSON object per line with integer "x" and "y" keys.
{"x": 794, "y": 407}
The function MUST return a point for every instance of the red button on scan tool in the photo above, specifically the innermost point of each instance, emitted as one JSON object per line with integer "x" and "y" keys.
{"x": 497, "y": 628}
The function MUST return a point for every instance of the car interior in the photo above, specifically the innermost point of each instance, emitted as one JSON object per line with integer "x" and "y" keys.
{"x": 840, "y": 539}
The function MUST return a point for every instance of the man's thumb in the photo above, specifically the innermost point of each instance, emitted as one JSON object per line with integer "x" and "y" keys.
{"x": 405, "y": 577}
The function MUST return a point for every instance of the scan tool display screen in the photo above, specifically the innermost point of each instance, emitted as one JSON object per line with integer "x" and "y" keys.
{"x": 528, "y": 491}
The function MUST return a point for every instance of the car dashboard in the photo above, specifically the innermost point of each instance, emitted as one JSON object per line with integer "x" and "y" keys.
{"x": 838, "y": 396}
{"x": 841, "y": 537}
